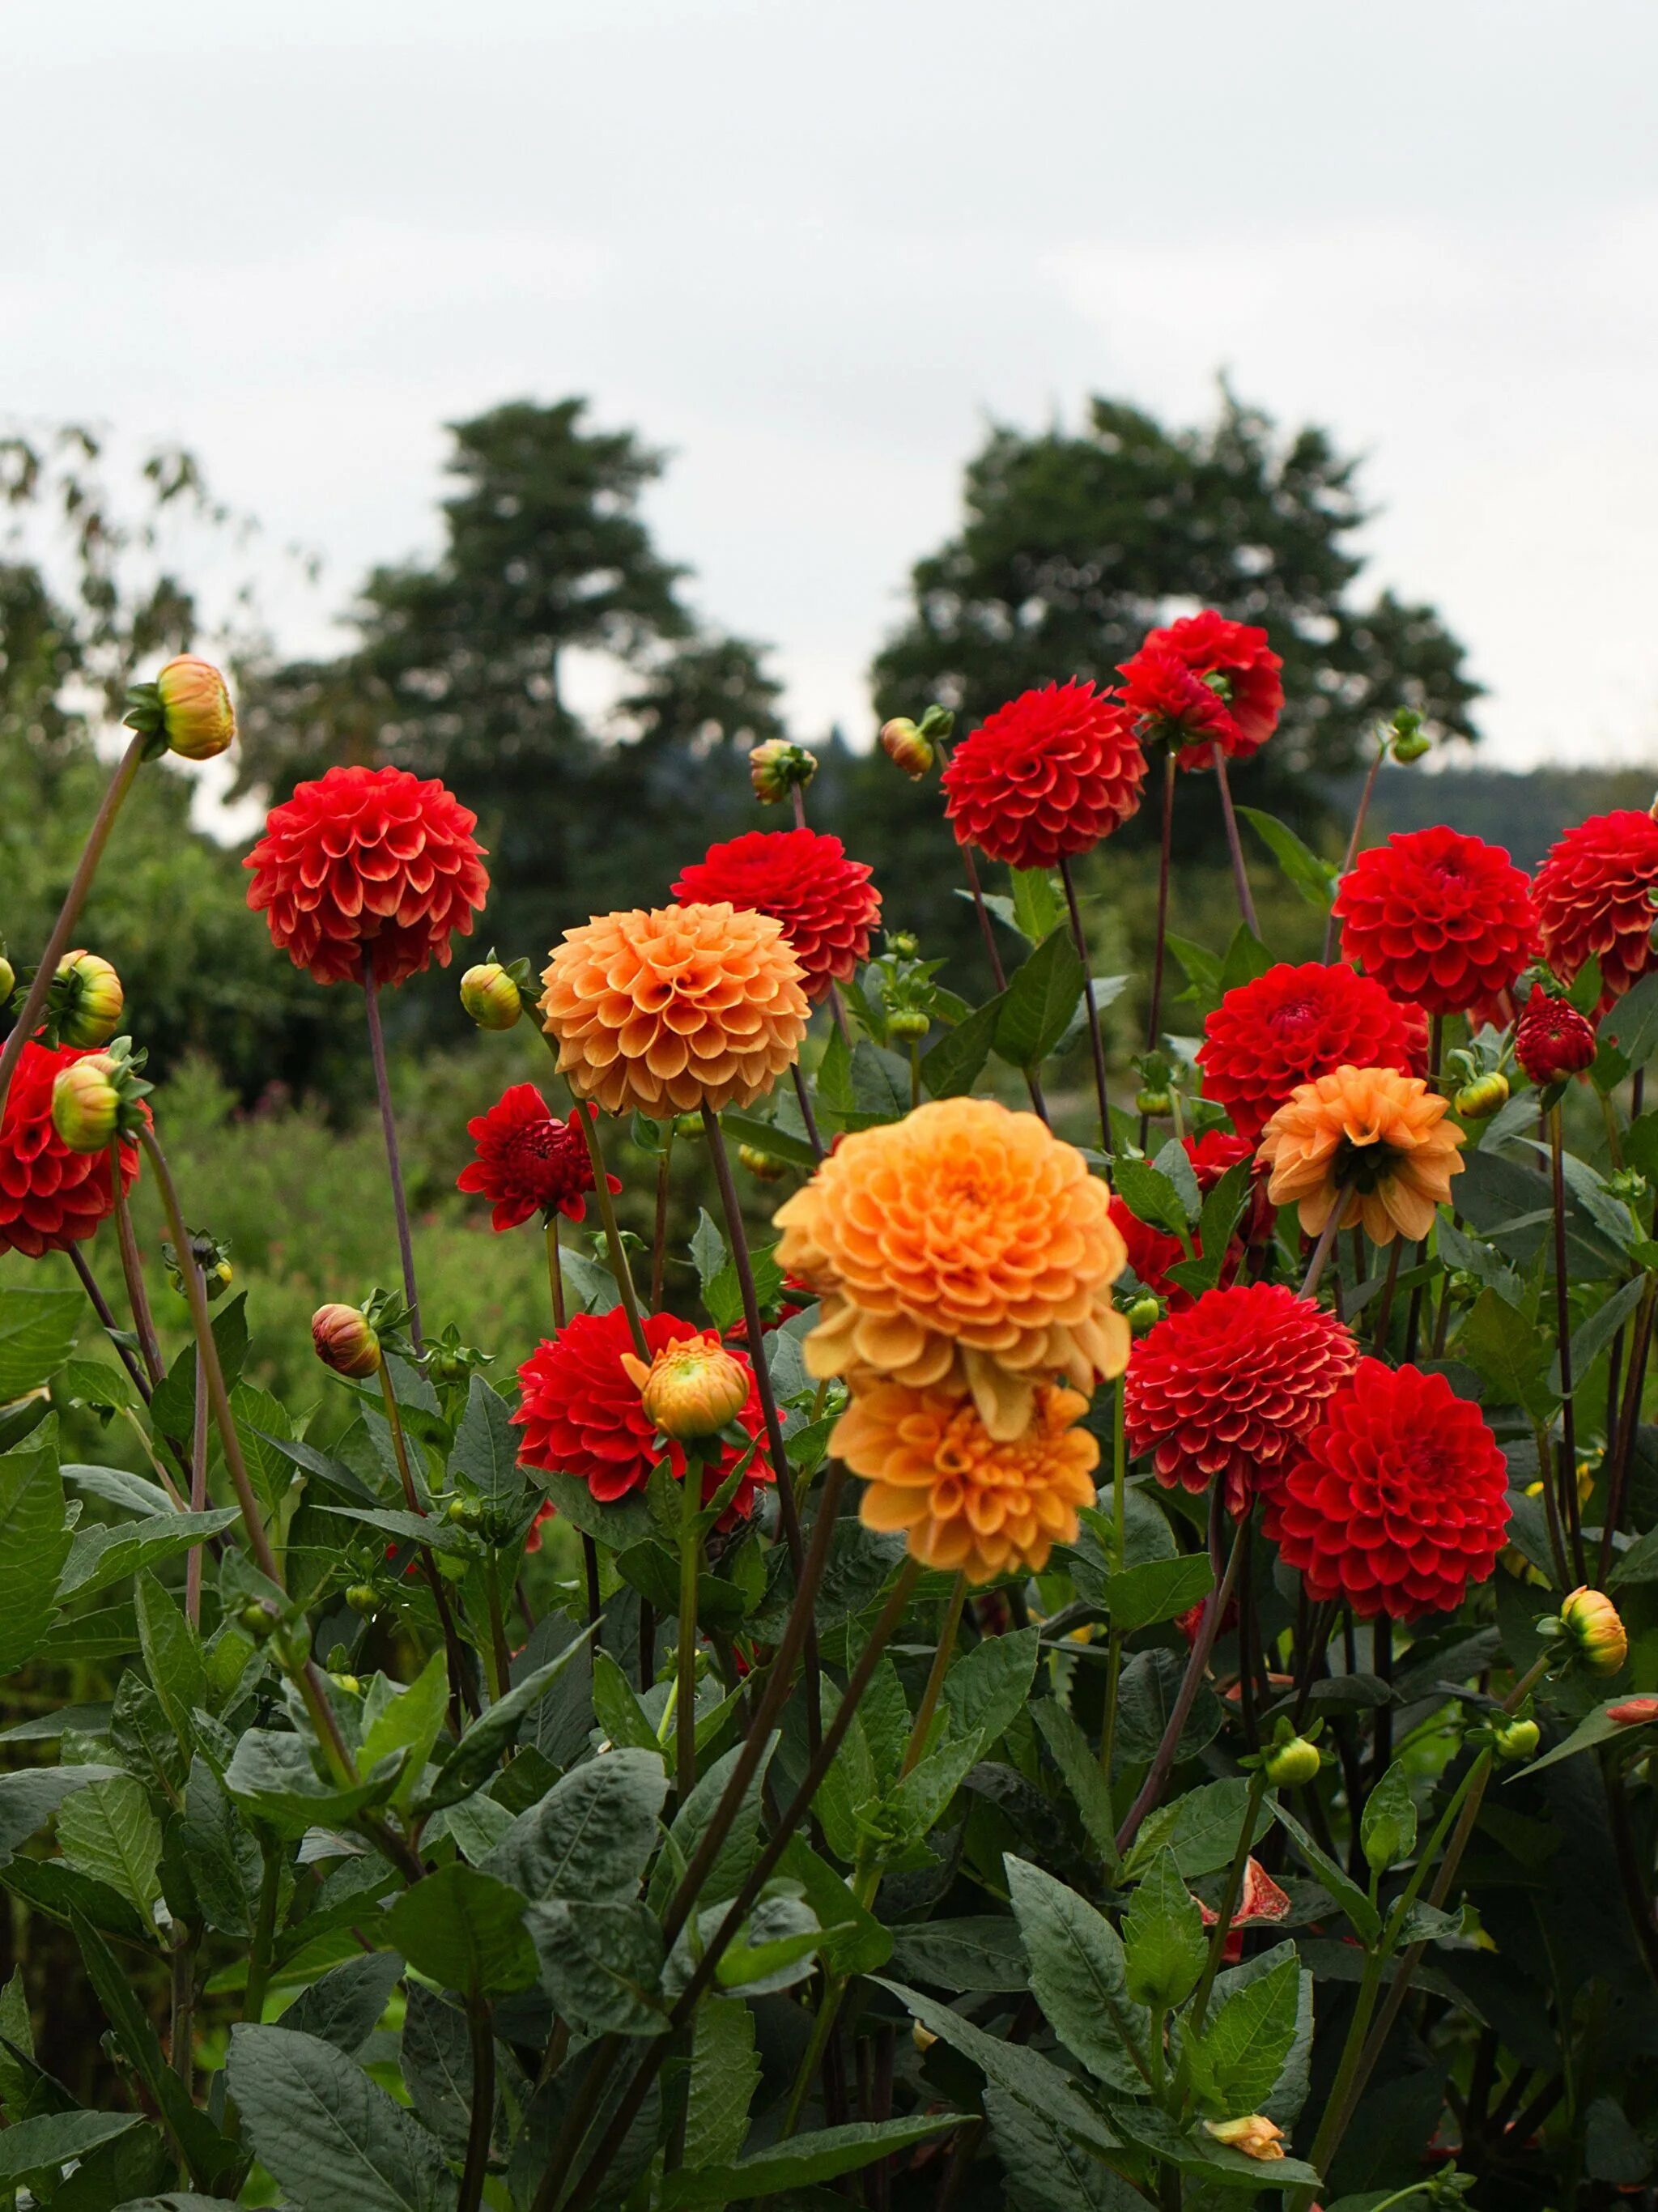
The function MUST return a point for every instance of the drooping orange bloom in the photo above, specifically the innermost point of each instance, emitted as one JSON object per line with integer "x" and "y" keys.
{"x": 963, "y": 1498}
{"x": 665, "y": 1011}
{"x": 966, "y": 1246}
{"x": 1381, "y": 1135}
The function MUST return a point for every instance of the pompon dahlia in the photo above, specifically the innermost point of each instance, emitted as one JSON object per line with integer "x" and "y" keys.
{"x": 1225, "y": 1392}
{"x": 1592, "y": 894}
{"x": 826, "y": 904}
{"x": 1442, "y": 920}
{"x": 1046, "y": 775}
{"x": 1293, "y": 1025}
{"x": 50, "y": 1196}
{"x": 528, "y": 1160}
{"x": 1397, "y": 1500}
{"x": 1382, "y": 1136}
{"x": 966, "y": 1247}
{"x": 967, "y": 1501}
{"x": 1251, "y": 688}
{"x": 367, "y": 860}
{"x": 1552, "y": 1040}
{"x": 666, "y": 1011}
{"x": 581, "y": 1413}
{"x": 1169, "y": 699}
{"x": 1152, "y": 1252}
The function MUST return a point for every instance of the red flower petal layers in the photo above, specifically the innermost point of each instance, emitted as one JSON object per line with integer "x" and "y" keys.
{"x": 527, "y": 1160}
{"x": 49, "y": 1197}
{"x": 1442, "y": 920}
{"x": 1047, "y": 777}
{"x": 826, "y": 904}
{"x": 1592, "y": 894}
{"x": 368, "y": 860}
{"x": 1399, "y": 1500}
{"x": 1295, "y": 1023}
{"x": 1209, "y": 644}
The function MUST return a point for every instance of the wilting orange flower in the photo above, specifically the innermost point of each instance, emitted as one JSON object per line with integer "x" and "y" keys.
{"x": 662, "y": 1013}
{"x": 965, "y": 1499}
{"x": 1382, "y": 1134}
{"x": 964, "y": 1246}
{"x": 1254, "y": 2135}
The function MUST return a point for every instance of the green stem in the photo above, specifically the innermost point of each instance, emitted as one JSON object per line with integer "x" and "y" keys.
{"x": 265, "y": 1934}
{"x": 690, "y": 1560}
{"x": 555, "y": 1275}
{"x": 481, "y": 2035}
{"x": 1095, "y": 1036}
{"x": 624, "y": 1278}
{"x": 461, "y": 1692}
{"x": 371, "y": 998}
{"x": 500, "y": 1657}
{"x": 1229, "y": 1905}
{"x": 922, "y": 1728}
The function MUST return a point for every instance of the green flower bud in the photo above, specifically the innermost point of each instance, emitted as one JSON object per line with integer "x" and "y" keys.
{"x": 764, "y": 1166}
{"x": 257, "y": 1620}
{"x": 1514, "y": 1740}
{"x": 7, "y": 979}
{"x": 1288, "y": 1764}
{"x": 776, "y": 767}
{"x": 86, "y": 1103}
{"x": 490, "y": 996}
{"x": 909, "y": 1024}
{"x": 1153, "y": 1103}
{"x": 1478, "y": 1100}
{"x": 196, "y": 716}
{"x": 688, "y": 1124}
{"x": 363, "y": 1598}
{"x": 1144, "y": 1313}
{"x": 903, "y": 944}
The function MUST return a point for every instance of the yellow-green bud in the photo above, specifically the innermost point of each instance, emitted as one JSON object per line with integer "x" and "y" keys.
{"x": 903, "y": 944}
{"x": 257, "y": 1620}
{"x": 907, "y": 746}
{"x": 466, "y": 1512}
{"x": 1288, "y": 1765}
{"x": 909, "y": 1024}
{"x": 348, "y": 1683}
{"x": 764, "y": 1166}
{"x": 196, "y": 716}
{"x": 1591, "y": 1623}
{"x": 1145, "y": 1313}
{"x": 776, "y": 767}
{"x": 692, "y": 1388}
{"x": 1478, "y": 1100}
{"x": 86, "y": 1104}
{"x": 7, "y": 979}
{"x": 93, "y": 1003}
{"x": 490, "y": 996}
{"x": 345, "y": 1341}
{"x": 688, "y": 1124}
{"x": 1514, "y": 1740}
{"x": 363, "y": 1598}
{"x": 1153, "y": 1103}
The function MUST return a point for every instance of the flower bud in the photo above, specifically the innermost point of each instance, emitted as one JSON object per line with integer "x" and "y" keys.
{"x": 1405, "y": 739}
{"x": 466, "y": 1512}
{"x": 196, "y": 716}
{"x": 1463, "y": 1287}
{"x": 1153, "y": 1103}
{"x": 1629, "y": 1185}
{"x": 1289, "y": 1764}
{"x": 1552, "y": 1040}
{"x": 256, "y": 1618}
{"x": 363, "y": 1598}
{"x": 909, "y": 1024}
{"x": 1514, "y": 1740}
{"x": 1256, "y": 2135}
{"x": 7, "y": 979}
{"x": 1410, "y": 748}
{"x": 1634, "y": 1712}
{"x": 490, "y": 996}
{"x": 1144, "y": 1313}
{"x": 922, "y": 2038}
{"x": 903, "y": 944}
{"x": 86, "y": 1103}
{"x": 776, "y": 767}
{"x": 688, "y": 1124}
{"x": 691, "y": 1389}
{"x": 907, "y": 747}
{"x": 91, "y": 1000}
{"x": 348, "y": 1684}
{"x": 345, "y": 1341}
{"x": 1590, "y": 1622}
{"x": 1478, "y": 1100}
{"x": 764, "y": 1166}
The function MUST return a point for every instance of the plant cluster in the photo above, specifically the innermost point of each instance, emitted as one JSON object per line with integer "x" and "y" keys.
{"x": 1102, "y": 1668}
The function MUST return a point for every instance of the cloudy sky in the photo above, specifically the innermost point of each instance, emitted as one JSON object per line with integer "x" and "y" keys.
{"x": 811, "y": 247}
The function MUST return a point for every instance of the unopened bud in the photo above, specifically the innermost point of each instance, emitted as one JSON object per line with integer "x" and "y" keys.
{"x": 197, "y": 717}
{"x": 86, "y": 1103}
{"x": 1590, "y": 1622}
{"x": 692, "y": 1388}
{"x": 345, "y": 1341}
{"x": 688, "y": 1124}
{"x": 1290, "y": 1764}
{"x": 909, "y": 1024}
{"x": 490, "y": 996}
{"x": 466, "y": 1512}
{"x": 903, "y": 944}
{"x": 363, "y": 1598}
{"x": 1552, "y": 1040}
{"x": 1153, "y": 1103}
{"x": 257, "y": 1620}
{"x": 1627, "y": 1184}
{"x": 1256, "y": 2135}
{"x": 1478, "y": 1100}
{"x": 907, "y": 747}
{"x": 1463, "y": 1287}
{"x": 1144, "y": 1313}
{"x": 1514, "y": 1740}
{"x": 348, "y": 1683}
{"x": 764, "y": 1166}
{"x": 7, "y": 979}
{"x": 776, "y": 767}
{"x": 1410, "y": 748}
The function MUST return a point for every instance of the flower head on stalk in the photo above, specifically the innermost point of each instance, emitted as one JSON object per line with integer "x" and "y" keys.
{"x": 84, "y": 1002}
{"x": 186, "y": 710}
{"x": 528, "y": 1161}
{"x": 368, "y": 862}
{"x": 52, "y": 1194}
{"x": 912, "y": 746}
{"x": 97, "y": 1096}
{"x": 964, "y": 1499}
{"x": 1590, "y": 1627}
{"x": 965, "y": 1247}
{"x": 1437, "y": 918}
{"x": 1595, "y": 900}
{"x": 495, "y": 994}
{"x": 666, "y": 1011}
{"x": 1378, "y": 1142}
{"x": 1552, "y": 1040}
{"x": 777, "y": 767}
{"x": 826, "y": 903}
{"x": 1231, "y": 662}
{"x": 1045, "y": 777}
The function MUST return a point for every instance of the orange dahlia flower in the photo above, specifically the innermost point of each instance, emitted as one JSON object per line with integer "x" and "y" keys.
{"x": 964, "y": 1246}
{"x": 964, "y": 1498}
{"x": 1382, "y": 1135}
{"x": 662, "y": 1013}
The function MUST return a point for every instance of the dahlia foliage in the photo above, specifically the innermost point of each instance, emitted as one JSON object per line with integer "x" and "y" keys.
{"x": 1089, "y": 1639}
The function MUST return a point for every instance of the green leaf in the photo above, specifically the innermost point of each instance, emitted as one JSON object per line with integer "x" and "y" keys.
{"x": 724, "y": 2075}
{"x": 618, "y": 1526}
{"x": 38, "y": 1333}
{"x": 741, "y": 1848}
{"x": 1157, "y": 1590}
{"x": 921, "y": 1799}
{"x": 1316, "y": 879}
{"x": 591, "y": 1836}
{"x": 36, "y": 2151}
{"x": 1150, "y": 1684}
{"x": 1596, "y": 1333}
{"x": 1594, "y": 1729}
{"x": 601, "y": 1964}
{"x": 132, "y": 1493}
{"x": 331, "y": 2139}
{"x": 1387, "y": 1828}
{"x": 29, "y": 1798}
{"x": 617, "y": 1710}
{"x": 1038, "y": 903}
{"x": 723, "y": 1294}
{"x": 34, "y": 1542}
{"x": 1040, "y": 1002}
{"x": 954, "y": 1065}
{"x": 345, "y": 2005}
{"x": 1151, "y": 1197}
{"x": 411, "y": 1720}
{"x": 781, "y": 1144}
{"x": 108, "y": 1833}
{"x": 880, "y": 1084}
{"x": 99, "y": 1557}
{"x": 1014, "y": 2067}
{"x": 975, "y": 1955}
{"x": 1201, "y": 1829}
{"x": 1236, "y": 2061}
{"x": 1079, "y": 1977}
{"x": 1632, "y": 1023}
{"x": 1507, "y": 1353}
{"x": 478, "y": 1753}
{"x": 436, "y": 2054}
{"x": 1331, "y": 1878}
{"x": 96, "y": 1382}
{"x": 1162, "y": 1936}
{"x": 803, "y": 2161}
{"x": 465, "y": 1931}
{"x": 262, "y": 1427}
{"x": 1045, "y": 2169}
{"x": 985, "y": 1690}
{"x": 173, "y": 1656}
{"x": 1074, "y": 1757}
{"x": 486, "y": 1447}
{"x": 1193, "y": 2152}
{"x": 1247, "y": 959}
{"x": 271, "y": 1774}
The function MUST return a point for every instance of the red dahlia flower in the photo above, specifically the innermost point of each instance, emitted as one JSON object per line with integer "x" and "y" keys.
{"x": 1444, "y": 920}
{"x": 1047, "y": 776}
{"x": 1592, "y": 894}
{"x": 367, "y": 860}
{"x": 826, "y": 904}
{"x": 1252, "y": 693}
{"x": 49, "y": 1197}
{"x": 1226, "y": 1390}
{"x": 1293, "y": 1025}
{"x": 1398, "y": 1500}
{"x": 1552, "y": 1040}
{"x": 1153, "y": 1252}
{"x": 527, "y": 1159}
{"x": 581, "y": 1414}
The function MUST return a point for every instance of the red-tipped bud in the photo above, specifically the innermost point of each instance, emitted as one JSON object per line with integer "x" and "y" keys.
{"x": 345, "y": 1341}
{"x": 491, "y": 996}
{"x": 86, "y": 1103}
{"x": 196, "y": 716}
{"x": 1553, "y": 1040}
{"x": 907, "y": 746}
{"x": 692, "y": 1388}
{"x": 93, "y": 1000}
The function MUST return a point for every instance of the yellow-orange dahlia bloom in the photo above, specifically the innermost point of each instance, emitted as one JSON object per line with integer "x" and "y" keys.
{"x": 665, "y": 1011}
{"x": 1381, "y": 1134}
{"x": 964, "y": 1246}
{"x": 963, "y": 1498}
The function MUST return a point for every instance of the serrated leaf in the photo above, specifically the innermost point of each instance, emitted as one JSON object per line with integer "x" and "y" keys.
{"x": 34, "y": 1542}
{"x": 1301, "y": 868}
{"x": 173, "y": 1656}
{"x": 1040, "y": 1001}
{"x": 951, "y": 1067}
{"x": 1632, "y": 1023}
{"x": 988, "y": 1688}
{"x": 100, "y": 1556}
{"x": 464, "y": 1929}
{"x": 1237, "y": 2060}
{"x": 1074, "y": 1757}
{"x": 485, "y": 1452}
{"x": 1157, "y": 1590}
{"x": 802, "y": 2161}
{"x": 476, "y": 1755}
{"x": 977, "y": 1955}
{"x": 411, "y": 1720}
{"x": 1023, "y": 2073}
{"x": 1162, "y": 1936}
{"x": 1079, "y": 1976}
{"x": 1335, "y": 1882}
{"x": 591, "y": 1836}
{"x": 38, "y": 1333}
{"x": 330, "y": 2136}
{"x": 109, "y": 1832}
{"x": 1387, "y": 1828}
{"x": 37, "y": 2150}
{"x": 1151, "y": 1197}
{"x": 724, "y": 2075}
{"x": 601, "y": 1964}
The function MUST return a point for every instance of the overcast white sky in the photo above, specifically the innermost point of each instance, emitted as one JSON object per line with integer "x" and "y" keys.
{"x": 810, "y": 245}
